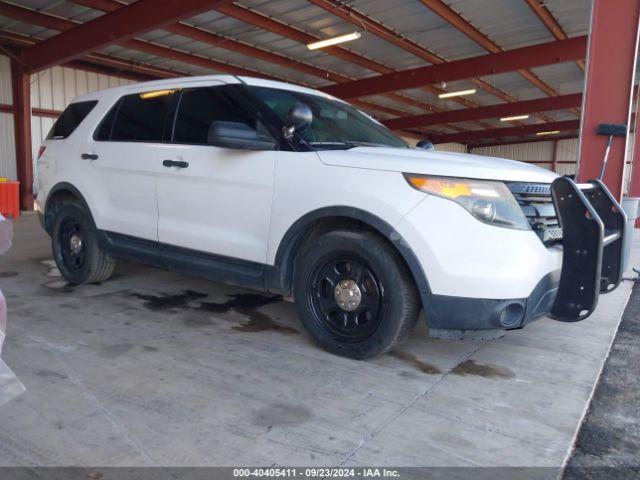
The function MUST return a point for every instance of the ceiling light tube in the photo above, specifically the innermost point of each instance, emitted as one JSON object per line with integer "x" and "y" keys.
{"x": 514, "y": 118}
{"x": 327, "y": 42}
{"x": 550, "y": 132}
{"x": 458, "y": 93}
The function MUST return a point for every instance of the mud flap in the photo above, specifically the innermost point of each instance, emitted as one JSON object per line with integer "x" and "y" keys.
{"x": 593, "y": 229}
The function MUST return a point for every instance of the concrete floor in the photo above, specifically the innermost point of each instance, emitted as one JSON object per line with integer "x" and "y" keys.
{"x": 155, "y": 368}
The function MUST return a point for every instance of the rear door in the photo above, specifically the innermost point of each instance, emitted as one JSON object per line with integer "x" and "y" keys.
{"x": 212, "y": 199}
{"x": 123, "y": 156}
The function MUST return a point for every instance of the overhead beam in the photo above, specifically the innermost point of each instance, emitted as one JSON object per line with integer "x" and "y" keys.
{"x": 456, "y": 20}
{"x": 546, "y": 17}
{"x": 121, "y": 25}
{"x": 490, "y": 111}
{"x": 476, "y": 135}
{"x": 558, "y": 51}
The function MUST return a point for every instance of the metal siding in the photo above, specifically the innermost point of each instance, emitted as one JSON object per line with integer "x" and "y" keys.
{"x": 7, "y": 147}
{"x": 5, "y": 81}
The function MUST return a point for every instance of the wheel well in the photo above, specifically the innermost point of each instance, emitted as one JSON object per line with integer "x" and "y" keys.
{"x": 319, "y": 227}
{"x": 56, "y": 200}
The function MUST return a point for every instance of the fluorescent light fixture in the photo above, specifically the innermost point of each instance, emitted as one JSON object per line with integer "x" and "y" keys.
{"x": 327, "y": 42}
{"x": 514, "y": 118}
{"x": 550, "y": 132}
{"x": 458, "y": 93}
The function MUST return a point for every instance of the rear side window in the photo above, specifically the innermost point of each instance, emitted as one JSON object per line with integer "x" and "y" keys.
{"x": 70, "y": 119}
{"x": 200, "y": 107}
{"x": 136, "y": 118}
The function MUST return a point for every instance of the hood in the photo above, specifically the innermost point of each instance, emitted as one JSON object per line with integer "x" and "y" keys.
{"x": 431, "y": 162}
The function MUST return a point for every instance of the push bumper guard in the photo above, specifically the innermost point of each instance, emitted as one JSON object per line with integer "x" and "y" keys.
{"x": 593, "y": 230}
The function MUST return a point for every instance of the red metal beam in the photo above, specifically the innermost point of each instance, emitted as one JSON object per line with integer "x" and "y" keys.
{"x": 490, "y": 111}
{"x": 613, "y": 47}
{"x": 134, "y": 19}
{"x": 21, "y": 89}
{"x": 558, "y": 51}
{"x": 546, "y": 17}
{"x": 99, "y": 63}
{"x": 476, "y": 135}
{"x": 456, "y": 20}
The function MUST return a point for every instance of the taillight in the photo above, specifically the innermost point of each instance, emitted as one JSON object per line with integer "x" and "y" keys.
{"x": 41, "y": 150}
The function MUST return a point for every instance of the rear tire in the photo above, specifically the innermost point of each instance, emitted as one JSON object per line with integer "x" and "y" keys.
{"x": 75, "y": 246}
{"x": 354, "y": 294}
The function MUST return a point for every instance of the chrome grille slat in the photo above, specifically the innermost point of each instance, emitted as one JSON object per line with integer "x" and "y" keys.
{"x": 537, "y": 205}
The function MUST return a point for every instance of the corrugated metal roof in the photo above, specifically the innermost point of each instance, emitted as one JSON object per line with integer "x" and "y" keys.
{"x": 508, "y": 23}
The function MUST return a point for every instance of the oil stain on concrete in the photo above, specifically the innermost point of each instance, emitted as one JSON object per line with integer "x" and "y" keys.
{"x": 246, "y": 304}
{"x": 281, "y": 414}
{"x": 488, "y": 370}
{"x": 415, "y": 362}
{"x": 8, "y": 274}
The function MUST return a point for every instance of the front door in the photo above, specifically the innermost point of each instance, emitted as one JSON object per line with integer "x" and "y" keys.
{"x": 211, "y": 199}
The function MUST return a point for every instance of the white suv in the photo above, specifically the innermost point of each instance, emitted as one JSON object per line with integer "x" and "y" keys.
{"x": 288, "y": 190}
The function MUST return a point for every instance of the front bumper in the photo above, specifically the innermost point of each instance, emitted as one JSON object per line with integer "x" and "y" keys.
{"x": 488, "y": 278}
{"x": 445, "y": 312}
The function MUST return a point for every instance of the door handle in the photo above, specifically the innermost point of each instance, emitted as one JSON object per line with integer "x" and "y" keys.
{"x": 89, "y": 156}
{"x": 175, "y": 163}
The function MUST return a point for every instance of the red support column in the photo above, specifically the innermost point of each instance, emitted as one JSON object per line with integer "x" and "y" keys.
{"x": 611, "y": 59}
{"x": 22, "y": 126}
{"x": 554, "y": 156}
{"x": 634, "y": 184}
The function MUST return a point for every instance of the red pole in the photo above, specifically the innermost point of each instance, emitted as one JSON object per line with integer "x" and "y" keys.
{"x": 634, "y": 184}
{"x": 611, "y": 57}
{"x": 21, "y": 87}
{"x": 554, "y": 156}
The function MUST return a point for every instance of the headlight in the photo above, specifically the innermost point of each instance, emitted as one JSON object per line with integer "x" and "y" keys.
{"x": 490, "y": 202}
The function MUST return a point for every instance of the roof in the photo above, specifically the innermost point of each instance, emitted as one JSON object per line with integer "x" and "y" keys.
{"x": 266, "y": 38}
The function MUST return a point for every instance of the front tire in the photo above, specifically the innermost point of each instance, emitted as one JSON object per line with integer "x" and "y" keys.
{"x": 76, "y": 251}
{"x": 354, "y": 294}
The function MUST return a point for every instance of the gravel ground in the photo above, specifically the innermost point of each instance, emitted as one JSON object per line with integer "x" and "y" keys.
{"x": 608, "y": 444}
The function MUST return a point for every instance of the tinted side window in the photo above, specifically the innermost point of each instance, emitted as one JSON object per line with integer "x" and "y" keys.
{"x": 200, "y": 107}
{"x": 141, "y": 117}
{"x": 70, "y": 119}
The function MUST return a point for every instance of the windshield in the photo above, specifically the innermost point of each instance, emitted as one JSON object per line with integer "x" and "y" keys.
{"x": 335, "y": 124}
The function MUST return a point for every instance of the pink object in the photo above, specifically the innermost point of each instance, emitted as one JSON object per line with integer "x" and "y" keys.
{"x": 6, "y": 235}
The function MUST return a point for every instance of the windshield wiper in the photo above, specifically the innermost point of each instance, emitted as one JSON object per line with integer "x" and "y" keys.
{"x": 348, "y": 144}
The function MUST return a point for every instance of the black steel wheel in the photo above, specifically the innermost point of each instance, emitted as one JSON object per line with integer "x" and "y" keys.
{"x": 354, "y": 293}
{"x": 345, "y": 297}
{"x": 72, "y": 252}
{"x": 76, "y": 251}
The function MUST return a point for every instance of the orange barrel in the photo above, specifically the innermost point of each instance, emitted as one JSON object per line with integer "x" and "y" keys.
{"x": 10, "y": 199}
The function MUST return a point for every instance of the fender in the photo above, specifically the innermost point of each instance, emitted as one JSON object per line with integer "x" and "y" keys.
{"x": 56, "y": 188}
{"x": 293, "y": 237}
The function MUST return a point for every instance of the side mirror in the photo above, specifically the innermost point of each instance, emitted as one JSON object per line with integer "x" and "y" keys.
{"x": 425, "y": 144}
{"x": 237, "y": 135}
{"x": 299, "y": 117}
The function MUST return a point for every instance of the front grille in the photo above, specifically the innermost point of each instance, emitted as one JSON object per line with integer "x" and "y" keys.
{"x": 537, "y": 205}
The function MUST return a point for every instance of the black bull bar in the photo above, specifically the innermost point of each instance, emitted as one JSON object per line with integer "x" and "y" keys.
{"x": 593, "y": 231}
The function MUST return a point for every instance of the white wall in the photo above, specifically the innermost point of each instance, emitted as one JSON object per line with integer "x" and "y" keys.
{"x": 536, "y": 152}
{"x": 51, "y": 89}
